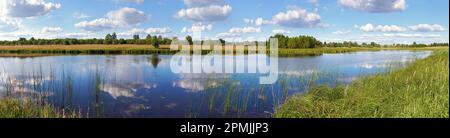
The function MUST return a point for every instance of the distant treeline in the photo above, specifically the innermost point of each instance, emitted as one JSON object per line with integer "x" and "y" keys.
{"x": 311, "y": 42}
{"x": 283, "y": 42}
{"x": 110, "y": 39}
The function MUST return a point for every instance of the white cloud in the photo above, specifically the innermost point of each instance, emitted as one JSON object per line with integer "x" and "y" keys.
{"x": 261, "y": 21}
{"x": 245, "y": 30}
{"x": 281, "y": 31}
{"x": 381, "y": 28}
{"x": 389, "y": 28}
{"x": 12, "y": 12}
{"x": 339, "y": 32}
{"x": 52, "y": 30}
{"x": 97, "y": 25}
{"x": 366, "y": 28}
{"x": 297, "y": 18}
{"x": 427, "y": 28}
{"x": 206, "y": 13}
{"x": 26, "y": 8}
{"x": 9, "y": 25}
{"x": 114, "y": 19}
{"x": 127, "y": 16}
{"x": 197, "y": 27}
{"x": 374, "y": 6}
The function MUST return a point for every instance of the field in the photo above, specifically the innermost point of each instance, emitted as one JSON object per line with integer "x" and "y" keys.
{"x": 418, "y": 91}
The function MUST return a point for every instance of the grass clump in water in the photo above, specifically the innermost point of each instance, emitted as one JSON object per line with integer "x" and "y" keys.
{"x": 419, "y": 91}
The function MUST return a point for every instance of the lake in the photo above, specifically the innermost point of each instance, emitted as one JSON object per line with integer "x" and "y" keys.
{"x": 145, "y": 86}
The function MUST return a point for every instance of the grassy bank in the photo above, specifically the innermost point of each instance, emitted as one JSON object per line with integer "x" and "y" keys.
{"x": 14, "y": 108}
{"x": 35, "y": 50}
{"x": 419, "y": 91}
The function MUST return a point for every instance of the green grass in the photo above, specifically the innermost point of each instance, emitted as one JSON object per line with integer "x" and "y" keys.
{"x": 15, "y": 108}
{"x": 420, "y": 90}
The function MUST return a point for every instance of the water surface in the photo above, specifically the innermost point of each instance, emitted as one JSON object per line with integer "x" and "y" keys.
{"x": 144, "y": 85}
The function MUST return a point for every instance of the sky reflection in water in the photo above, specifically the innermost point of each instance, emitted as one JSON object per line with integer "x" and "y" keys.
{"x": 144, "y": 86}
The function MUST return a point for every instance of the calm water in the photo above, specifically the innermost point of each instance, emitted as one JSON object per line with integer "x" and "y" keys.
{"x": 144, "y": 85}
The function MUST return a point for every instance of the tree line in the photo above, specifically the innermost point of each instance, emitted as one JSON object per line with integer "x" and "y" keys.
{"x": 311, "y": 42}
{"x": 110, "y": 39}
{"x": 283, "y": 42}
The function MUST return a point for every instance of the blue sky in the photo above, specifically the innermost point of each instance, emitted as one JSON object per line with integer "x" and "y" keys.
{"x": 383, "y": 21}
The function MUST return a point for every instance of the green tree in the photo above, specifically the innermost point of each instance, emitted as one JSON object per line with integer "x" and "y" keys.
{"x": 155, "y": 42}
{"x": 108, "y": 39}
{"x": 148, "y": 39}
{"x": 114, "y": 38}
{"x": 189, "y": 39}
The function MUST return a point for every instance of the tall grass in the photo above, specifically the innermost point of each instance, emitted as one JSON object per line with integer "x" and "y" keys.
{"x": 419, "y": 91}
{"x": 21, "y": 108}
{"x": 30, "y": 97}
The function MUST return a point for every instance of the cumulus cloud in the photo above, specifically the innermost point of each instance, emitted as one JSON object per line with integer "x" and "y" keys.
{"x": 12, "y": 12}
{"x": 427, "y": 28}
{"x": 127, "y": 16}
{"x": 366, "y": 28}
{"x": 281, "y": 31}
{"x": 207, "y": 13}
{"x": 26, "y": 8}
{"x": 390, "y": 28}
{"x": 339, "y": 32}
{"x": 114, "y": 19}
{"x": 97, "y": 25}
{"x": 297, "y": 18}
{"x": 197, "y": 27}
{"x": 374, "y": 6}
{"x": 380, "y": 28}
{"x": 204, "y": 10}
{"x": 9, "y": 25}
{"x": 52, "y": 30}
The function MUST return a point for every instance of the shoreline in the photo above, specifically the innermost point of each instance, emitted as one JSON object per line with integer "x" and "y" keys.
{"x": 54, "y": 50}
